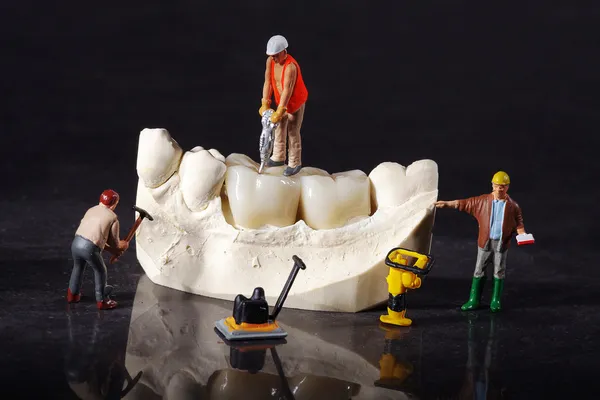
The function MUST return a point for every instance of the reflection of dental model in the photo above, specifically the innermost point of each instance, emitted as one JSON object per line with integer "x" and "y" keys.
{"x": 181, "y": 357}
{"x": 221, "y": 229}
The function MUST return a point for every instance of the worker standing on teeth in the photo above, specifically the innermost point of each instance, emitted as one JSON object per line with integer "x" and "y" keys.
{"x": 499, "y": 217}
{"x": 283, "y": 77}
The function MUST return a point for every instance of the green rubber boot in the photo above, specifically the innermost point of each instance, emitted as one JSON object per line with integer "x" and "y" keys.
{"x": 498, "y": 287}
{"x": 475, "y": 296}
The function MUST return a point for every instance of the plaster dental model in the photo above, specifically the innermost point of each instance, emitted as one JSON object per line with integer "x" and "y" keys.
{"x": 98, "y": 230}
{"x": 401, "y": 278}
{"x": 284, "y": 78}
{"x": 219, "y": 227}
{"x": 499, "y": 217}
{"x": 180, "y": 356}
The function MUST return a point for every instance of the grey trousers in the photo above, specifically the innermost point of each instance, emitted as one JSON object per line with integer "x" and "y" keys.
{"x": 491, "y": 254}
{"x": 85, "y": 252}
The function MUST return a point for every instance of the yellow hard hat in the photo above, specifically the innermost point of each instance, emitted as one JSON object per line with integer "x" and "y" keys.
{"x": 501, "y": 178}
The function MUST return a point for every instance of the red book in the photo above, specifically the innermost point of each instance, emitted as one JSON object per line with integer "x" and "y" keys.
{"x": 525, "y": 238}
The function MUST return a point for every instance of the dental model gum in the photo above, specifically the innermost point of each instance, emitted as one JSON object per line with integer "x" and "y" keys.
{"x": 221, "y": 229}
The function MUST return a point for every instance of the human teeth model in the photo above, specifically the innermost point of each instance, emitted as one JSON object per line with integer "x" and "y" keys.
{"x": 221, "y": 229}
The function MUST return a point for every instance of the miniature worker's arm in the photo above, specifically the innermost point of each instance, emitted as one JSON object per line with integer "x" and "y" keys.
{"x": 519, "y": 219}
{"x": 289, "y": 80}
{"x": 267, "y": 89}
{"x": 410, "y": 280}
{"x": 114, "y": 245}
{"x": 446, "y": 204}
{"x": 465, "y": 205}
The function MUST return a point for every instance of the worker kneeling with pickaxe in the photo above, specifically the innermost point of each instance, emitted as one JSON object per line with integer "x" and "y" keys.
{"x": 99, "y": 230}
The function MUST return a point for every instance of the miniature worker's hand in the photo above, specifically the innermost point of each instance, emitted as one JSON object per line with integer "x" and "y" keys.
{"x": 266, "y": 104}
{"x": 444, "y": 204}
{"x": 123, "y": 245}
{"x": 277, "y": 115}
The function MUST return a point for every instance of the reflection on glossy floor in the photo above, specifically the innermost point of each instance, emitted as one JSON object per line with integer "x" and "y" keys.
{"x": 173, "y": 352}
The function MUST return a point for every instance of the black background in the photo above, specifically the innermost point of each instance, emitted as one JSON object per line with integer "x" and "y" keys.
{"x": 475, "y": 87}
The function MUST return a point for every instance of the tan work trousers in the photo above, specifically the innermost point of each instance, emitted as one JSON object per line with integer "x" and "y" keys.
{"x": 289, "y": 126}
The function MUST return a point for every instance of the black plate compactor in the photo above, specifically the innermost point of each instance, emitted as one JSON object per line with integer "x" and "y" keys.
{"x": 251, "y": 319}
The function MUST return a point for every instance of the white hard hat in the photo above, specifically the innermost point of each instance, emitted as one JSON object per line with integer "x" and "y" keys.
{"x": 276, "y": 45}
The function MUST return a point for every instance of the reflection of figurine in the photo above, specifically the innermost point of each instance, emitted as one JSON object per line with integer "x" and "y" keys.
{"x": 250, "y": 357}
{"x": 248, "y": 381}
{"x": 477, "y": 383}
{"x": 393, "y": 371}
{"x": 498, "y": 217}
{"x": 283, "y": 77}
{"x": 98, "y": 230}
{"x": 403, "y": 277}
{"x": 89, "y": 374}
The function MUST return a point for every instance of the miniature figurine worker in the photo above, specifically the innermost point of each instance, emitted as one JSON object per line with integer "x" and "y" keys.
{"x": 499, "y": 217}
{"x": 98, "y": 230}
{"x": 283, "y": 76}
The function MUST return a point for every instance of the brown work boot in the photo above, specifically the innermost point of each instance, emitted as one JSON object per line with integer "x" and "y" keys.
{"x": 107, "y": 304}
{"x": 73, "y": 298}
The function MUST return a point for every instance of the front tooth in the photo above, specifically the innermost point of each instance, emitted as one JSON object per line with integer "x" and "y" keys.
{"x": 158, "y": 157}
{"x": 329, "y": 202}
{"x": 258, "y": 200}
{"x": 202, "y": 173}
{"x": 392, "y": 184}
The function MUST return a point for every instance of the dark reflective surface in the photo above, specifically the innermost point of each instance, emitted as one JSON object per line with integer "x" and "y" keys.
{"x": 174, "y": 352}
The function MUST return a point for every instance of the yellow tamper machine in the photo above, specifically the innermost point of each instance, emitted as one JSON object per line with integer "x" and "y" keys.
{"x": 407, "y": 267}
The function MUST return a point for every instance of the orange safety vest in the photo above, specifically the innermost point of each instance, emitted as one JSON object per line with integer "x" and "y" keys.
{"x": 299, "y": 95}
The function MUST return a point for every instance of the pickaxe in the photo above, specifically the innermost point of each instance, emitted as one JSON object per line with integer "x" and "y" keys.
{"x": 138, "y": 221}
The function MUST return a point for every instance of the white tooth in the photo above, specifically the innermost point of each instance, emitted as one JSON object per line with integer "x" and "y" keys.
{"x": 202, "y": 175}
{"x": 425, "y": 175}
{"x": 329, "y": 202}
{"x": 259, "y": 200}
{"x": 158, "y": 157}
{"x": 392, "y": 184}
{"x": 215, "y": 153}
{"x": 240, "y": 159}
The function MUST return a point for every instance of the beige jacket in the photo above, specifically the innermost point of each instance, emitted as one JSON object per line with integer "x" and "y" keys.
{"x": 101, "y": 226}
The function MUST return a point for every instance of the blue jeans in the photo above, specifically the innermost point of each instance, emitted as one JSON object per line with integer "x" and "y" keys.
{"x": 86, "y": 252}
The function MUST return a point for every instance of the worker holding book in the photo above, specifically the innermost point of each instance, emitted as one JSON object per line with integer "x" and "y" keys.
{"x": 499, "y": 217}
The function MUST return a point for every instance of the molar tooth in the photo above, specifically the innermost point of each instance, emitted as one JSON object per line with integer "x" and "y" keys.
{"x": 425, "y": 175}
{"x": 258, "y": 200}
{"x": 158, "y": 157}
{"x": 393, "y": 184}
{"x": 202, "y": 173}
{"x": 331, "y": 201}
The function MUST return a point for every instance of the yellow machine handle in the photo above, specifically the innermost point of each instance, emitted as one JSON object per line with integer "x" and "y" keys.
{"x": 421, "y": 267}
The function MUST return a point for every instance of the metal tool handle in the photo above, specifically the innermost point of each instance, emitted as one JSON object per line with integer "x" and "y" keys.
{"x": 298, "y": 264}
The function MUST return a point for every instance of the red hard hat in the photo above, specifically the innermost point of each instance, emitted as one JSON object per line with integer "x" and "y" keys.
{"x": 109, "y": 197}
